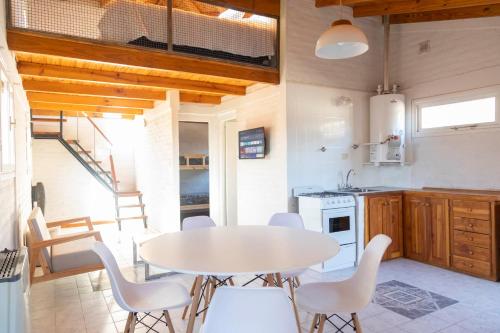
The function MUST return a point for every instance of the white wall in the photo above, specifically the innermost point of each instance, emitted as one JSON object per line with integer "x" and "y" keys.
{"x": 304, "y": 24}
{"x": 157, "y": 165}
{"x": 70, "y": 190}
{"x": 15, "y": 187}
{"x": 463, "y": 56}
{"x": 322, "y": 117}
{"x": 261, "y": 183}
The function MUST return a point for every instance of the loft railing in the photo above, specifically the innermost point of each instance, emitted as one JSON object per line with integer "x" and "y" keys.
{"x": 188, "y": 26}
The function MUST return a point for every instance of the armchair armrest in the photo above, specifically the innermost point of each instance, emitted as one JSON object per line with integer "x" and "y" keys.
{"x": 66, "y": 239}
{"x": 85, "y": 220}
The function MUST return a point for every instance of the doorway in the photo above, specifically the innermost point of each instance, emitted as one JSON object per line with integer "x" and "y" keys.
{"x": 194, "y": 182}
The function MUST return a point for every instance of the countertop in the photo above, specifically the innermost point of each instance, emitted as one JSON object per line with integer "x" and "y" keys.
{"x": 486, "y": 194}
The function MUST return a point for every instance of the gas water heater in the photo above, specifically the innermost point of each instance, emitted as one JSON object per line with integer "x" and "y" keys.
{"x": 387, "y": 128}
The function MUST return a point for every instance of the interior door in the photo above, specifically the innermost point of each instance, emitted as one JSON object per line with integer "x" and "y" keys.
{"x": 231, "y": 150}
{"x": 438, "y": 232}
{"x": 415, "y": 228}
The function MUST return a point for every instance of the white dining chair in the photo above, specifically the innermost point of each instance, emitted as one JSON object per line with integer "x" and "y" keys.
{"x": 211, "y": 282}
{"x": 250, "y": 310}
{"x": 156, "y": 296}
{"x": 328, "y": 299}
{"x": 289, "y": 220}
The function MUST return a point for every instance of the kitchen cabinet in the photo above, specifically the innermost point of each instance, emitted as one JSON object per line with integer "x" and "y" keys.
{"x": 384, "y": 215}
{"x": 426, "y": 229}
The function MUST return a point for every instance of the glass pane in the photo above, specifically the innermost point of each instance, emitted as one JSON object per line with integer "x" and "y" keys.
{"x": 462, "y": 113}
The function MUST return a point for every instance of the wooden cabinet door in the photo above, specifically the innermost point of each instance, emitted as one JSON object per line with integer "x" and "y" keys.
{"x": 385, "y": 217}
{"x": 415, "y": 228}
{"x": 376, "y": 212}
{"x": 393, "y": 226}
{"x": 438, "y": 231}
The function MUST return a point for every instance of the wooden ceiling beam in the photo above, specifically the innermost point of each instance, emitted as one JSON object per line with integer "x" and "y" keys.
{"x": 83, "y": 108}
{"x": 22, "y": 41}
{"x": 52, "y": 113}
{"x": 326, "y": 3}
{"x": 200, "y": 99}
{"x": 93, "y": 90}
{"x": 450, "y": 14}
{"x": 89, "y": 100}
{"x": 99, "y": 76}
{"x": 415, "y": 6}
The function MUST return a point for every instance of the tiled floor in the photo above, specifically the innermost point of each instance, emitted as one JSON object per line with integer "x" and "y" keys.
{"x": 73, "y": 305}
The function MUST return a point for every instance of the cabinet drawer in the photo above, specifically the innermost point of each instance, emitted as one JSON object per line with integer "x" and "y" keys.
{"x": 472, "y": 266}
{"x": 472, "y": 238}
{"x": 471, "y": 251}
{"x": 472, "y": 209}
{"x": 473, "y": 225}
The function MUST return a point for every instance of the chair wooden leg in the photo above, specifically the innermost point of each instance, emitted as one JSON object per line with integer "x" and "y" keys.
{"x": 356, "y": 322}
{"x": 170, "y": 325}
{"x": 231, "y": 282}
{"x": 194, "y": 305}
{"x": 297, "y": 281}
{"x": 279, "y": 281}
{"x": 322, "y": 320}
{"x": 292, "y": 296}
{"x": 208, "y": 291}
{"x": 130, "y": 325}
{"x": 186, "y": 308}
{"x": 270, "y": 280}
{"x": 313, "y": 323}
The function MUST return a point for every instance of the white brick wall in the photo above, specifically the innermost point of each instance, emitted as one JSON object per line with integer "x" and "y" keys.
{"x": 157, "y": 165}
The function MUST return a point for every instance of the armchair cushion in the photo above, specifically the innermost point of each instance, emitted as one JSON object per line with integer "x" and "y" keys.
{"x": 40, "y": 231}
{"x": 74, "y": 254}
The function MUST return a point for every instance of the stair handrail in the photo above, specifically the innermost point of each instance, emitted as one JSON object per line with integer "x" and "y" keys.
{"x": 98, "y": 129}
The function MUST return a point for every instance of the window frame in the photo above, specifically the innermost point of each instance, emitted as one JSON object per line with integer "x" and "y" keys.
{"x": 456, "y": 97}
{"x": 7, "y": 168}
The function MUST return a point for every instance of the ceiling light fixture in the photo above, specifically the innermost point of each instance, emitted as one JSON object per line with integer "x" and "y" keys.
{"x": 341, "y": 41}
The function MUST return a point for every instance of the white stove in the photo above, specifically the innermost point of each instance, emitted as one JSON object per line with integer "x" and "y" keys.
{"x": 334, "y": 214}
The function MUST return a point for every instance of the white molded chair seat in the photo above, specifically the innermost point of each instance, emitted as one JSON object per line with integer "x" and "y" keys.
{"x": 250, "y": 310}
{"x": 141, "y": 297}
{"x": 288, "y": 220}
{"x": 350, "y": 295}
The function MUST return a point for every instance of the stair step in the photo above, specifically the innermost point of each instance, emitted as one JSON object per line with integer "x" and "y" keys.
{"x": 131, "y": 218}
{"x": 132, "y": 206}
{"x": 71, "y": 141}
{"x": 103, "y": 172}
{"x": 48, "y": 120}
{"x": 47, "y": 134}
{"x": 95, "y": 162}
{"x": 128, "y": 194}
{"x": 84, "y": 152}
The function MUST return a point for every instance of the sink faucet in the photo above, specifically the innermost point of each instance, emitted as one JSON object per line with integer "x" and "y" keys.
{"x": 347, "y": 184}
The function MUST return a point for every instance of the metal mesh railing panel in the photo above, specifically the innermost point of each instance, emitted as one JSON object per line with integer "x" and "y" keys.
{"x": 198, "y": 28}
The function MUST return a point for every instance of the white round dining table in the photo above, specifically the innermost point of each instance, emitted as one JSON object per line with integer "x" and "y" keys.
{"x": 237, "y": 250}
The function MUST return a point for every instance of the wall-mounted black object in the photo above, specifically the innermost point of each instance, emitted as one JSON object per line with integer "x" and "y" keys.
{"x": 38, "y": 196}
{"x": 252, "y": 143}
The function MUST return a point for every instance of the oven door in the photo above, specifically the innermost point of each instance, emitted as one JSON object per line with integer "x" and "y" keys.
{"x": 340, "y": 224}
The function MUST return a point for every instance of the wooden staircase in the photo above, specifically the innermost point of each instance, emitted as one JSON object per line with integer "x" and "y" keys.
{"x": 120, "y": 195}
{"x": 107, "y": 178}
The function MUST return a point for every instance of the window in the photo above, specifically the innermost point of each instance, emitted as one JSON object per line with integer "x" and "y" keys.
{"x": 456, "y": 113}
{"x": 7, "y": 153}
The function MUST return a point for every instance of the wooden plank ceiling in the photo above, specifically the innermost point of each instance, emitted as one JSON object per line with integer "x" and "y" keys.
{"x": 61, "y": 74}
{"x": 411, "y": 11}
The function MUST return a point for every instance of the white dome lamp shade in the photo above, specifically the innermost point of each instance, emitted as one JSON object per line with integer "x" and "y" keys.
{"x": 341, "y": 41}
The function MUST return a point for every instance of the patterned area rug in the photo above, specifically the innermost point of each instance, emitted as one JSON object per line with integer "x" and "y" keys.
{"x": 409, "y": 301}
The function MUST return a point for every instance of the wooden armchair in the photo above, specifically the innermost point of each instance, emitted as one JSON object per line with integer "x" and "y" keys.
{"x": 61, "y": 255}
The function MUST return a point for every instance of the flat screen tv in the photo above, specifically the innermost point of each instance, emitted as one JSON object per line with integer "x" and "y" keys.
{"x": 252, "y": 143}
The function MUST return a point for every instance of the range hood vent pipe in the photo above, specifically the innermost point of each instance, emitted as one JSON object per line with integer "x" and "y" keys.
{"x": 387, "y": 30}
